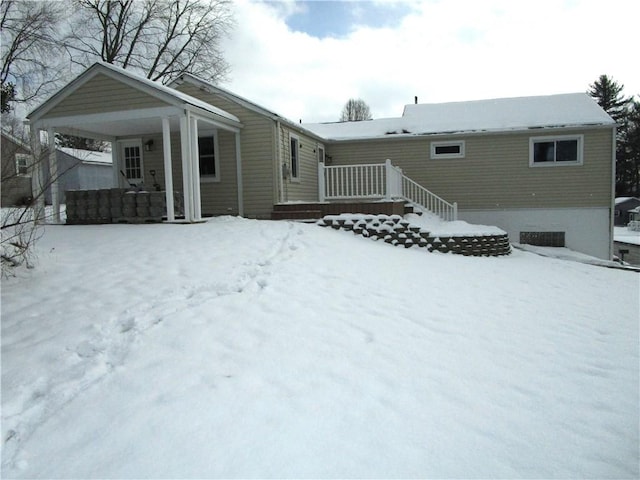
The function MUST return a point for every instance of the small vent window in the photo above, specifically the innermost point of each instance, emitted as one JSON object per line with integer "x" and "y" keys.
{"x": 447, "y": 149}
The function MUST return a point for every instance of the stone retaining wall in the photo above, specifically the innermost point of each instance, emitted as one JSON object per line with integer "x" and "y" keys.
{"x": 393, "y": 229}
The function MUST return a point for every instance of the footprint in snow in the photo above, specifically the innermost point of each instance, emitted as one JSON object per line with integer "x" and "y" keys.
{"x": 87, "y": 350}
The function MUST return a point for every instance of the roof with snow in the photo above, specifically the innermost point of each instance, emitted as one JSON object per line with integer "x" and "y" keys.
{"x": 496, "y": 115}
{"x": 235, "y": 98}
{"x": 620, "y": 200}
{"x": 167, "y": 93}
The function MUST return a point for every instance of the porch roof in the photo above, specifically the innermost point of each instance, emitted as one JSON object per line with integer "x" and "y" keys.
{"x": 126, "y": 121}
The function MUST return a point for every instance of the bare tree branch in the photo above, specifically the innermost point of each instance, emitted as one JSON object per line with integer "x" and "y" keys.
{"x": 355, "y": 110}
{"x": 159, "y": 38}
{"x": 30, "y": 47}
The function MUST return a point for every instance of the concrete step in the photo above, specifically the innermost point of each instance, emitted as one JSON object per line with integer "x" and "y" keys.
{"x": 296, "y": 214}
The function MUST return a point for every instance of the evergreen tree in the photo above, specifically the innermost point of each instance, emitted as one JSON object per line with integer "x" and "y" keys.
{"x": 624, "y": 110}
{"x": 629, "y": 150}
{"x": 8, "y": 96}
{"x": 608, "y": 94}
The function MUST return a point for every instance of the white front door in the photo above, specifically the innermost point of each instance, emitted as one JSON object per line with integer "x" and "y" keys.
{"x": 131, "y": 167}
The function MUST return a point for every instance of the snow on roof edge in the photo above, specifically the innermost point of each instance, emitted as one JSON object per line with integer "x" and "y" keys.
{"x": 477, "y": 116}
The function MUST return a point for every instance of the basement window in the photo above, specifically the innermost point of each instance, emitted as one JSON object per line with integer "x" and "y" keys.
{"x": 447, "y": 149}
{"x": 555, "y": 151}
{"x": 543, "y": 239}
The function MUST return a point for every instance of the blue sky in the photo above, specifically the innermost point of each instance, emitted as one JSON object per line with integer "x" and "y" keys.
{"x": 305, "y": 59}
{"x": 321, "y": 18}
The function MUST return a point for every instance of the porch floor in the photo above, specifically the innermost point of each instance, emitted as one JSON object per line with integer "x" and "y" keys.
{"x": 317, "y": 210}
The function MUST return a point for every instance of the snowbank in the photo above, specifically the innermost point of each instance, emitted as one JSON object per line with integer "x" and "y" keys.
{"x": 240, "y": 348}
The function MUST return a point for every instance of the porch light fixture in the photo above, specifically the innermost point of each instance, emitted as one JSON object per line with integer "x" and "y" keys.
{"x": 148, "y": 144}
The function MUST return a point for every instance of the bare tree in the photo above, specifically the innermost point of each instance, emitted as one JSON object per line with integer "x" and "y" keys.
{"x": 21, "y": 219}
{"x": 18, "y": 230}
{"x": 355, "y": 110}
{"x": 160, "y": 38}
{"x": 31, "y": 63}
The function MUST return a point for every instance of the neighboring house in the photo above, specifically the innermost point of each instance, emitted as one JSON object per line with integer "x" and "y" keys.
{"x": 626, "y": 245}
{"x": 80, "y": 170}
{"x": 16, "y": 171}
{"x": 623, "y": 207}
{"x": 539, "y": 167}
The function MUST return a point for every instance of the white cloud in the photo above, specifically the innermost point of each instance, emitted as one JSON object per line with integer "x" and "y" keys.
{"x": 442, "y": 51}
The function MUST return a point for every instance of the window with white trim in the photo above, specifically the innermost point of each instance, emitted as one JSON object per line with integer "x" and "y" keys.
{"x": 447, "y": 149}
{"x": 555, "y": 151}
{"x": 208, "y": 156}
{"x": 22, "y": 164}
{"x": 294, "y": 154}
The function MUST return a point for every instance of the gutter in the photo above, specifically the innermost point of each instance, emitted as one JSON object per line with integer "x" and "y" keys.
{"x": 612, "y": 209}
{"x": 278, "y": 161}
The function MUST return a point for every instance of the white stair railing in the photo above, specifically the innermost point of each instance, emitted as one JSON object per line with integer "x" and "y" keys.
{"x": 416, "y": 193}
{"x": 379, "y": 181}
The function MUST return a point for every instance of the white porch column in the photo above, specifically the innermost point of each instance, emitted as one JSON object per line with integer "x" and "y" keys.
{"x": 185, "y": 143}
{"x": 389, "y": 180}
{"x": 239, "y": 176}
{"x": 321, "y": 185}
{"x": 168, "y": 170}
{"x": 37, "y": 175}
{"x": 195, "y": 171}
{"x": 114, "y": 162}
{"x": 53, "y": 175}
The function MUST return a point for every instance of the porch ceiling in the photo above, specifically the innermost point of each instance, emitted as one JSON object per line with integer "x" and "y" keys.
{"x": 118, "y": 128}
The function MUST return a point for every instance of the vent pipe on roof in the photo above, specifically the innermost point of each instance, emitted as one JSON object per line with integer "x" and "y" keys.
{"x": 415, "y": 99}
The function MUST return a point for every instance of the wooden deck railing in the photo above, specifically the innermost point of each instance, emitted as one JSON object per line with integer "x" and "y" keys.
{"x": 379, "y": 181}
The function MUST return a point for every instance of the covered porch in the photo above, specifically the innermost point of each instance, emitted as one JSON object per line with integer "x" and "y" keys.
{"x": 153, "y": 130}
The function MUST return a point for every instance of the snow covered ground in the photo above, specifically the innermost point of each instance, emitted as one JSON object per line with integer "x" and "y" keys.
{"x": 623, "y": 234}
{"x": 243, "y": 348}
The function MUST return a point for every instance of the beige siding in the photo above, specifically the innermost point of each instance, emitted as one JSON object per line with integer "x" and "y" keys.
{"x": 256, "y": 146}
{"x": 221, "y": 198}
{"x": 14, "y": 188}
{"x": 495, "y": 172}
{"x": 305, "y": 188}
{"x": 103, "y": 94}
{"x": 217, "y": 198}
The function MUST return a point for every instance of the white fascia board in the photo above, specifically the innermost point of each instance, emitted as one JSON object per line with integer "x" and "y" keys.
{"x": 156, "y": 112}
{"x": 212, "y": 118}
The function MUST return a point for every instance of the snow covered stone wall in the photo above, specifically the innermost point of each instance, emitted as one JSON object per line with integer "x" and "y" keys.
{"x": 395, "y": 230}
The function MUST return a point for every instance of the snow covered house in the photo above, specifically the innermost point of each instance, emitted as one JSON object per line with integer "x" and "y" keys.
{"x": 623, "y": 207}
{"x": 80, "y": 170}
{"x": 540, "y": 167}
